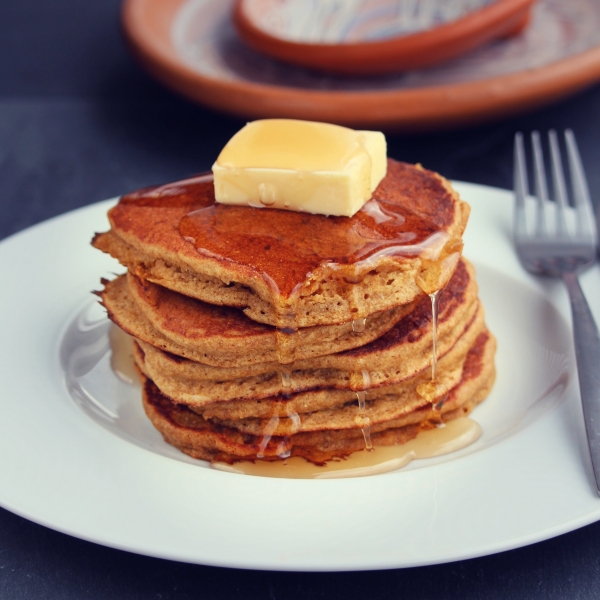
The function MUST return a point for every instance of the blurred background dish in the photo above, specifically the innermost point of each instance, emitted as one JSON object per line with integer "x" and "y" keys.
{"x": 374, "y": 37}
{"x": 192, "y": 46}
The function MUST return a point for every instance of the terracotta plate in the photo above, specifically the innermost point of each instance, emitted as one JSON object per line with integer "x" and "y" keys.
{"x": 192, "y": 46}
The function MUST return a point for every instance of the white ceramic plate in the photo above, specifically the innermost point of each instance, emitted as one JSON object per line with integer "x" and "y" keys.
{"x": 527, "y": 479}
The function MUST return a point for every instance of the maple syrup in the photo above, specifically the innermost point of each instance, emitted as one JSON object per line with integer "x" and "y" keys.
{"x": 360, "y": 381}
{"x": 457, "y": 434}
{"x": 286, "y": 378}
{"x": 434, "y": 391}
{"x": 266, "y": 438}
{"x": 362, "y": 420}
{"x": 359, "y": 325}
{"x": 256, "y": 239}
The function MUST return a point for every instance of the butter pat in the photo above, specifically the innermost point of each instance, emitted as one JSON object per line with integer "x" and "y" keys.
{"x": 300, "y": 165}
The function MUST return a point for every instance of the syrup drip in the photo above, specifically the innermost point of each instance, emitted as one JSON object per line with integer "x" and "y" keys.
{"x": 434, "y": 391}
{"x": 437, "y": 265}
{"x": 457, "y": 434}
{"x": 286, "y": 379}
{"x": 286, "y": 339}
{"x": 363, "y": 421}
{"x": 286, "y": 384}
{"x": 282, "y": 450}
{"x": 360, "y": 382}
{"x": 358, "y": 325}
{"x": 438, "y": 262}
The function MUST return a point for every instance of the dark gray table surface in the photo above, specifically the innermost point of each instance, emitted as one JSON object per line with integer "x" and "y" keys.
{"x": 80, "y": 122}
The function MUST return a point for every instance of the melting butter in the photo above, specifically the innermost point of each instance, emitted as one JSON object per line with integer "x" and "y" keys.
{"x": 455, "y": 435}
{"x": 302, "y": 166}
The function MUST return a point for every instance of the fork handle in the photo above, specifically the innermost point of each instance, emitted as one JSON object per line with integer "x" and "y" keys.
{"x": 587, "y": 352}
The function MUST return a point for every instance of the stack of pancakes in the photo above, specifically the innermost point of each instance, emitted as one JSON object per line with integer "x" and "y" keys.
{"x": 268, "y": 333}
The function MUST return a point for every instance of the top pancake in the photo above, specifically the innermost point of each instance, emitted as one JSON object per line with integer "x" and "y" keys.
{"x": 286, "y": 268}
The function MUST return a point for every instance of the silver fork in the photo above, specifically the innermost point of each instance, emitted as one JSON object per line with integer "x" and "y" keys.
{"x": 557, "y": 253}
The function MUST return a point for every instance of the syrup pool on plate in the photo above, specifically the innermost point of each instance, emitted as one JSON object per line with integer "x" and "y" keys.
{"x": 457, "y": 434}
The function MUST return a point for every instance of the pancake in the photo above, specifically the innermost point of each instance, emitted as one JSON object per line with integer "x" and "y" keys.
{"x": 293, "y": 269}
{"x": 381, "y": 369}
{"x": 401, "y": 353}
{"x": 406, "y": 404}
{"x": 331, "y": 403}
{"x": 222, "y": 336}
{"x": 205, "y": 439}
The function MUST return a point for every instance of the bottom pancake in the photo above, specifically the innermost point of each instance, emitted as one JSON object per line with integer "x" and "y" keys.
{"x": 204, "y": 439}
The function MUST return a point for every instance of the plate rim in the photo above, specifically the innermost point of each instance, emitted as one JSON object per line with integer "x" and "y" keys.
{"x": 147, "y": 28}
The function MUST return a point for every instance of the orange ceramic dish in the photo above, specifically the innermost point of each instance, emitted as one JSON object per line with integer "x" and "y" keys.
{"x": 401, "y": 53}
{"x": 437, "y": 99}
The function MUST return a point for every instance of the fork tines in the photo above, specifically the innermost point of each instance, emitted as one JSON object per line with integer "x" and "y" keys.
{"x": 585, "y": 227}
